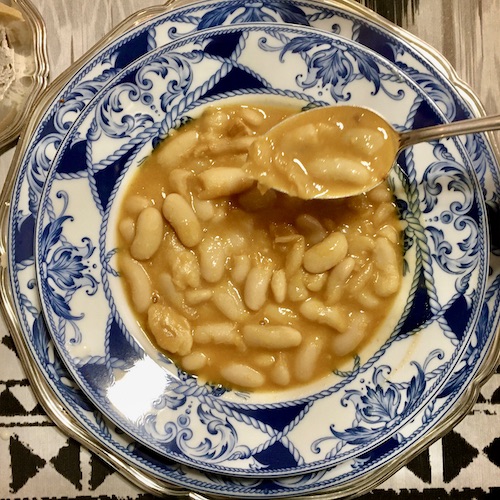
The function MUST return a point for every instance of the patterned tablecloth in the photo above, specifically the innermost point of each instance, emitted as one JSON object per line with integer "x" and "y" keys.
{"x": 38, "y": 461}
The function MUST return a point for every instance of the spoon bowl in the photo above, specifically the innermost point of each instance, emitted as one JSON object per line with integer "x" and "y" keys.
{"x": 339, "y": 151}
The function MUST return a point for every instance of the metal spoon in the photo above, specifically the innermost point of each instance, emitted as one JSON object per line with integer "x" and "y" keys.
{"x": 339, "y": 151}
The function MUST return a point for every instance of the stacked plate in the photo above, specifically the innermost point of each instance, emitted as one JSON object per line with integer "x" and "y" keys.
{"x": 23, "y": 66}
{"x": 97, "y": 374}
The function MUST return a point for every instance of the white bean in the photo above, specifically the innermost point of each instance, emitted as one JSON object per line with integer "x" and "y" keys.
{"x": 223, "y": 181}
{"x": 179, "y": 182}
{"x": 360, "y": 278}
{"x": 176, "y": 148}
{"x": 127, "y": 229}
{"x": 241, "y": 267}
{"x": 204, "y": 209}
{"x": 296, "y": 288}
{"x": 386, "y": 262}
{"x": 135, "y": 204}
{"x": 228, "y": 300}
{"x": 332, "y": 316}
{"x": 387, "y": 282}
{"x": 233, "y": 146}
{"x": 278, "y": 285}
{"x": 326, "y": 254}
{"x": 337, "y": 279}
{"x": 212, "y": 259}
{"x": 256, "y": 287}
{"x": 384, "y": 212}
{"x": 252, "y": 116}
{"x": 339, "y": 169}
{"x": 385, "y": 254}
{"x": 194, "y": 361}
{"x": 316, "y": 282}
{"x": 280, "y": 373}
{"x": 180, "y": 215}
{"x": 218, "y": 333}
{"x": 311, "y": 228}
{"x": 365, "y": 140}
{"x": 344, "y": 343}
{"x": 305, "y": 134}
{"x": 288, "y": 237}
{"x": 279, "y": 315}
{"x": 295, "y": 256}
{"x": 306, "y": 359}
{"x": 148, "y": 234}
{"x": 242, "y": 375}
{"x": 390, "y": 232}
{"x": 139, "y": 283}
{"x": 196, "y": 297}
{"x": 367, "y": 300}
{"x": 361, "y": 245}
{"x": 264, "y": 360}
{"x": 271, "y": 336}
{"x": 380, "y": 193}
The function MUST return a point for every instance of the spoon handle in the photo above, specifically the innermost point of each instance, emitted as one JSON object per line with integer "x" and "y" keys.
{"x": 448, "y": 130}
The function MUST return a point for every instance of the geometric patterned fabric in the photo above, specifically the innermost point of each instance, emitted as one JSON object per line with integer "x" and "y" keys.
{"x": 34, "y": 454}
{"x": 37, "y": 461}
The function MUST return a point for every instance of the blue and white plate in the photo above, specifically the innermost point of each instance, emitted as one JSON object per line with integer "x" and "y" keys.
{"x": 48, "y": 128}
{"x": 143, "y": 392}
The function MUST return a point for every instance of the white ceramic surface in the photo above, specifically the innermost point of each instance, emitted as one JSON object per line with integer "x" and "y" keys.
{"x": 54, "y": 386}
{"x": 30, "y": 70}
{"x": 436, "y": 312}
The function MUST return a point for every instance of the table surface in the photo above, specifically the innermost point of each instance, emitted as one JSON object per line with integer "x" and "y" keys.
{"x": 39, "y": 461}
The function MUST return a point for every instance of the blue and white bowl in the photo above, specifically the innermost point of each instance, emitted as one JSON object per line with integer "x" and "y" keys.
{"x": 50, "y": 121}
{"x": 328, "y": 422}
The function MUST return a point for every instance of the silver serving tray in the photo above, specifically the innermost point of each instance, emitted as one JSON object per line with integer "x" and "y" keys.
{"x": 34, "y": 78}
{"x": 43, "y": 391}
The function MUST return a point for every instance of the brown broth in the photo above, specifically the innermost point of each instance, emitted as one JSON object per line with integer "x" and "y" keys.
{"x": 326, "y": 152}
{"x": 265, "y": 230}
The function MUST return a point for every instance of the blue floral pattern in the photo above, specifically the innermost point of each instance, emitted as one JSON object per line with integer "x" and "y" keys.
{"x": 334, "y": 65}
{"x": 117, "y": 130}
{"x": 64, "y": 267}
{"x": 33, "y": 171}
{"x": 379, "y": 406}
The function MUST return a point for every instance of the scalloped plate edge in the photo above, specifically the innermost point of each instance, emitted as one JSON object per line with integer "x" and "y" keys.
{"x": 40, "y": 76}
{"x": 45, "y": 394}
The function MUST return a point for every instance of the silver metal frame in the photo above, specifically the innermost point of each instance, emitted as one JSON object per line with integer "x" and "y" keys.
{"x": 40, "y": 75}
{"x": 42, "y": 389}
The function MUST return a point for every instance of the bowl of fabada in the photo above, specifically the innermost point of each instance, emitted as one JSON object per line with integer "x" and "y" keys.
{"x": 237, "y": 329}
